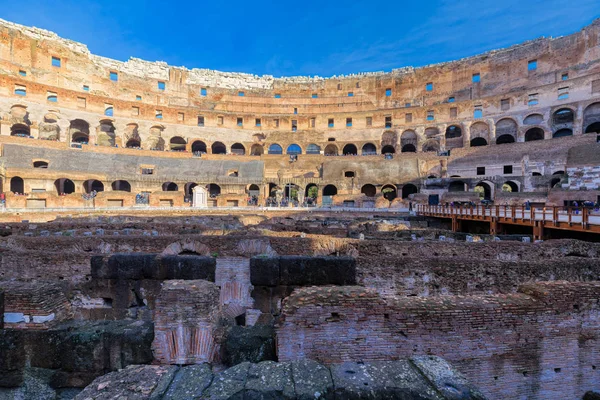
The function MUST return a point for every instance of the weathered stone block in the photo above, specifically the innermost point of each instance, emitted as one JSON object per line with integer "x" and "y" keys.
{"x": 264, "y": 271}
{"x": 309, "y": 271}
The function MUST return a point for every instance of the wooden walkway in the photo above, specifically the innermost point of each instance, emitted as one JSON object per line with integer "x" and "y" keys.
{"x": 578, "y": 219}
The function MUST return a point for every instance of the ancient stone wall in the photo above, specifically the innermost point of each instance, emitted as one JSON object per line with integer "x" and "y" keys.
{"x": 540, "y": 343}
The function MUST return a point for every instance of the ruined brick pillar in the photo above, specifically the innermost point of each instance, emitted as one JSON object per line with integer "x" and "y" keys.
{"x": 184, "y": 317}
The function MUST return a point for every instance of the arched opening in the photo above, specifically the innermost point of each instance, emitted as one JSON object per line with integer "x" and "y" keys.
{"x": 349, "y": 150}
{"x": 593, "y": 128}
{"x": 311, "y": 191}
{"x": 555, "y": 182}
{"x": 503, "y": 139}
{"x": 17, "y": 185}
{"x": 453, "y": 131}
{"x": 389, "y": 192}
{"x": 177, "y": 143}
{"x": 275, "y": 149}
{"x": 533, "y": 119}
{"x": 563, "y": 116}
{"x": 388, "y": 149}
{"x": 510, "y": 186}
{"x": 92, "y": 185}
{"x": 214, "y": 190}
{"x": 64, "y": 186}
{"x": 536, "y": 174}
{"x": 253, "y": 190}
{"x": 106, "y": 134}
{"x": 79, "y": 131}
{"x": 456, "y": 186}
{"x": 20, "y": 130}
{"x": 40, "y": 164}
{"x": 484, "y": 190}
{"x": 329, "y": 190}
{"x": 563, "y": 133}
{"x": 290, "y": 191}
{"x": 431, "y": 145}
{"x": 331, "y": 150}
{"x": 218, "y": 148}
{"x": 121, "y": 185}
{"x": 409, "y": 189}
{"x": 369, "y": 149}
{"x": 188, "y": 189}
{"x": 257, "y": 150}
{"x": 534, "y": 134}
{"x": 170, "y": 187}
{"x": 409, "y": 148}
{"x": 369, "y": 190}
{"x": 478, "y": 141}
{"x": 558, "y": 173}
{"x": 293, "y": 149}
{"x": 313, "y": 149}
{"x": 238, "y": 149}
{"x": 199, "y": 147}
{"x": 133, "y": 144}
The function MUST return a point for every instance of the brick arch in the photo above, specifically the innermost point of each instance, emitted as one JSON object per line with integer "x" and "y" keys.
{"x": 183, "y": 246}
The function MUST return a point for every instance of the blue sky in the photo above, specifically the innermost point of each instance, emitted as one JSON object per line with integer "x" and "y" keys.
{"x": 284, "y": 38}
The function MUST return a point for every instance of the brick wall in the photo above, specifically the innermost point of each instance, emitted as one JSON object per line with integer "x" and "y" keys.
{"x": 541, "y": 343}
{"x": 183, "y": 322}
{"x": 38, "y": 305}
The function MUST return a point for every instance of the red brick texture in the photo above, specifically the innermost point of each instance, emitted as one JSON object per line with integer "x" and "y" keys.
{"x": 540, "y": 343}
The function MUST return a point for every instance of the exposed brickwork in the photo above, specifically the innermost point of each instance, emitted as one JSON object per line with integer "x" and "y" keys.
{"x": 537, "y": 344}
{"x": 39, "y": 305}
{"x": 183, "y": 322}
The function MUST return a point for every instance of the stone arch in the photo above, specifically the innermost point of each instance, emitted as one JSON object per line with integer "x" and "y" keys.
{"x": 481, "y": 130}
{"x": 563, "y": 116}
{"x": 79, "y": 131}
{"x": 218, "y": 148}
{"x": 49, "y": 128}
{"x": 257, "y": 150}
{"x": 331, "y": 150}
{"x": 369, "y": 149}
{"x": 369, "y": 190}
{"x": 431, "y": 145}
{"x": 254, "y": 247}
{"x": 533, "y": 134}
{"x": 275, "y": 149}
{"x": 453, "y": 132}
{"x": 533, "y": 119}
{"x": 486, "y": 191}
{"x": 21, "y": 130}
{"x": 17, "y": 185}
{"x": 313, "y": 149}
{"x": 510, "y": 186}
{"x": 329, "y": 190}
{"x": 93, "y": 185}
{"x": 186, "y": 247}
{"x": 478, "y": 141}
{"x": 64, "y": 186}
{"x": 170, "y": 187}
{"x": 504, "y": 139}
{"x": 121, "y": 185}
{"x": 389, "y": 138}
{"x": 155, "y": 140}
{"x": 350, "y": 150}
{"x": 177, "y": 143}
{"x": 238, "y": 149}
{"x": 506, "y": 127}
{"x": 198, "y": 147}
{"x": 388, "y": 149}
{"x": 591, "y": 118}
{"x": 131, "y": 136}
{"x": 309, "y": 192}
{"x": 105, "y": 133}
{"x": 408, "y": 141}
{"x": 293, "y": 149}
{"x": 188, "y": 188}
{"x": 409, "y": 189}
{"x": 390, "y": 192}
{"x": 214, "y": 190}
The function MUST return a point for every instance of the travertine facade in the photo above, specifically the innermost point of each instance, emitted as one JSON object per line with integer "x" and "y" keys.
{"x": 150, "y": 129}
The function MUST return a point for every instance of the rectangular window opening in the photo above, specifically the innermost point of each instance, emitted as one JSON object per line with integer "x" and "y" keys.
{"x": 429, "y": 86}
{"x": 532, "y": 65}
{"x": 480, "y": 170}
{"x": 314, "y": 95}
{"x": 476, "y": 78}
{"x": 56, "y": 62}
{"x": 135, "y": 111}
{"x": 114, "y": 76}
{"x": 388, "y": 121}
{"x": 257, "y": 122}
{"x": 22, "y": 73}
{"x": 453, "y": 112}
{"x": 220, "y": 120}
{"x": 508, "y": 169}
{"x": 350, "y": 94}
{"x": 241, "y": 94}
{"x": 451, "y": 99}
{"x": 240, "y": 122}
{"x": 349, "y": 122}
{"x": 203, "y": 92}
{"x": 294, "y": 125}
{"x": 277, "y": 95}
{"x": 161, "y": 85}
{"x": 430, "y": 115}
{"x": 504, "y": 104}
{"x": 369, "y": 121}
{"x": 159, "y": 114}
{"x": 200, "y": 120}
{"x": 330, "y": 122}
{"x": 276, "y": 121}
{"x": 388, "y": 92}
